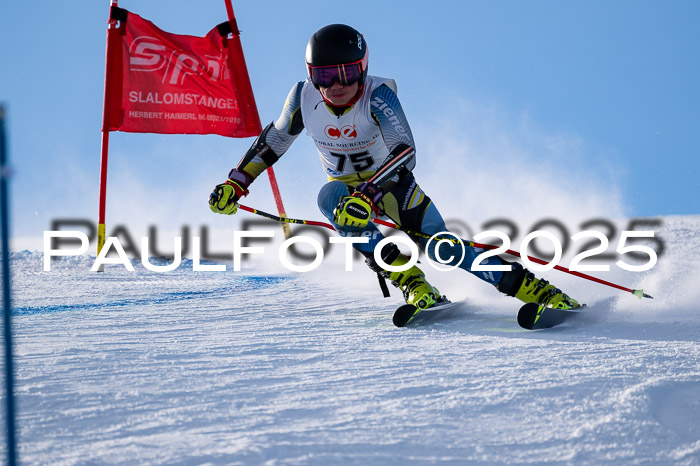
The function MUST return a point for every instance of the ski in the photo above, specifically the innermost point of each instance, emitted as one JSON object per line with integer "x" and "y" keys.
{"x": 408, "y": 313}
{"x": 533, "y": 316}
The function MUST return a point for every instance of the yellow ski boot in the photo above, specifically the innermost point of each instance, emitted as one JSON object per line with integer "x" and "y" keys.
{"x": 537, "y": 290}
{"x": 416, "y": 289}
{"x": 523, "y": 284}
{"x": 418, "y": 293}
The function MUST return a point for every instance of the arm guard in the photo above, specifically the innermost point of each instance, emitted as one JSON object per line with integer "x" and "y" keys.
{"x": 259, "y": 156}
{"x": 400, "y": 162}
{"x": 276, "y": 138}
{"x": 387, "y": 112}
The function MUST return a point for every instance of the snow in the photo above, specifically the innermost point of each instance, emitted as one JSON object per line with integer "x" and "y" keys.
{"x": 278, "y": 368}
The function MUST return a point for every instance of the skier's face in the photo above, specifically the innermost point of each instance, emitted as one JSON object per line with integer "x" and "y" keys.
{"x": 338, "y": 94}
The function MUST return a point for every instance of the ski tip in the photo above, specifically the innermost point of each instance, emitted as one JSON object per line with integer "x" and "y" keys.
{"x": 528, "y": 315}
{"x": 641, "y": 294}
{"x": 405, "y": 314}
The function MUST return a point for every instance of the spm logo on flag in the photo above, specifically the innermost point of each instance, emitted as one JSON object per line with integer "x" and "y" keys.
{"x": 158, "y": 82}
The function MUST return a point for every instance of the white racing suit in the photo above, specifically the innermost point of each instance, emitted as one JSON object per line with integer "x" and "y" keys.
{"x": 368, "y": 141}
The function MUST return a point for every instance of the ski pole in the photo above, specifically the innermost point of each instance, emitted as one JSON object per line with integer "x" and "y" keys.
{"x": 285, "y": 219}
{"x": 638, "y": 293}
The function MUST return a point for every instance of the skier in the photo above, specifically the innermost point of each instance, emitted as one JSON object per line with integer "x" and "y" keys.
{"x": 367, "y": 151}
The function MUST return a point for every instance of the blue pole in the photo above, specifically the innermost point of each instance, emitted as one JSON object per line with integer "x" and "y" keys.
{"x": 9, "y": 366}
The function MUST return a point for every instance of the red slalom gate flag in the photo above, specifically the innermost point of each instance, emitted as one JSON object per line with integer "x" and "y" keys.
{"x": 158, "y": 82}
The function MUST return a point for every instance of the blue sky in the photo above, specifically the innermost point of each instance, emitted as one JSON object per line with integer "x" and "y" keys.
{"x": 604, "y": 94}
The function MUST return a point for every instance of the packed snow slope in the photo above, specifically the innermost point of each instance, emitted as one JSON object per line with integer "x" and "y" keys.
{"x": 283, "y": 368}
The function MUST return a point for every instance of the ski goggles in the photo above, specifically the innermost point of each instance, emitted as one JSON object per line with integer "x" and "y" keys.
{"x": 345, "y": 74}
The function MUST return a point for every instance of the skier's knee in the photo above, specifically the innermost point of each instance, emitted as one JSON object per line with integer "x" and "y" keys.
{"x": 329, "y": 195}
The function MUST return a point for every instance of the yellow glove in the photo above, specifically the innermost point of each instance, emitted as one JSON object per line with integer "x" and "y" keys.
{"x": 358, "y": 209}
{"x": 224, "y": 198}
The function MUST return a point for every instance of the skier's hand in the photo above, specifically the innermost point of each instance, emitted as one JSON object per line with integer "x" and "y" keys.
{"x": 358, "y": 209}
{"x": 224, "y": 198}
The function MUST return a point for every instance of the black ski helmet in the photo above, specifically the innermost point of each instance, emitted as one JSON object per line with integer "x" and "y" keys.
{"x": 336, "y": 45}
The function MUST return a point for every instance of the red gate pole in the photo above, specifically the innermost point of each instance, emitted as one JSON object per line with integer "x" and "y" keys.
{"x": 270, "y": 172}
{"x": 106, "y": 106}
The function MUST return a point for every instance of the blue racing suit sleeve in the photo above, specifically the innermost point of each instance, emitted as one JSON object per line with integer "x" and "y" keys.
{"x": 290, "y": 120}
{"x": 388, "y": 113}
{"x": 276, "y": 138}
